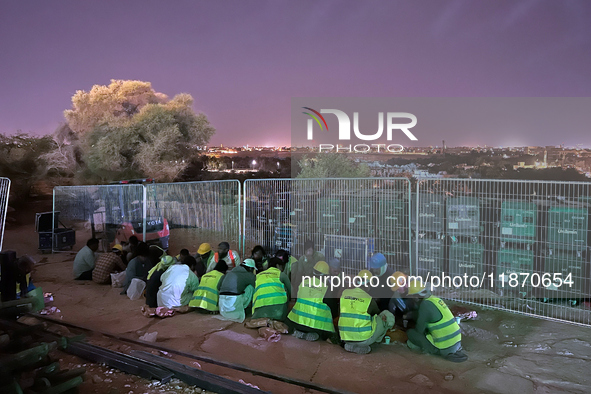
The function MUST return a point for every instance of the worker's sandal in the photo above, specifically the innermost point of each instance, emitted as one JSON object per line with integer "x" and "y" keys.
{"x": 357, "y": 349}
{"x": 311, "y": 336}
{"x": 457, "y": 357}
{"x": 299, "y": 334}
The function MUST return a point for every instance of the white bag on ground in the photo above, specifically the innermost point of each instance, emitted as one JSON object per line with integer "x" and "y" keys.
{"x": 136, "y": 289}
{"x": 118, "y": 279}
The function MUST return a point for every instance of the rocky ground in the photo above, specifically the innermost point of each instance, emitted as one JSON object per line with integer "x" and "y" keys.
{"x": 508, "y": 353}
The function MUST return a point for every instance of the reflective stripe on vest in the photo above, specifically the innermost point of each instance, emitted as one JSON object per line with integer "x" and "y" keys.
{"x": 355, "y": 324}
{"x": 216, "y": 258}
{"x": 207, "y": 295}
{"x": 269, "y": 290}
{"x": 310, "y": 310}
{"x": 445, "y": 332}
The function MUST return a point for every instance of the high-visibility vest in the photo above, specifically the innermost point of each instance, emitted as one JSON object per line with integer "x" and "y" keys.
{"x": 355, "y": 324}
{"x": 445, "y": 332}
{"x": 216, "y": 258}
{"x": 269, "y": 289}
{"x": 310, "y": 310}
{"x": 207, "y": 295}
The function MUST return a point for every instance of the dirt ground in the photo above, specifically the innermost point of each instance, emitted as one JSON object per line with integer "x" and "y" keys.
{"x": 508, "y": 353}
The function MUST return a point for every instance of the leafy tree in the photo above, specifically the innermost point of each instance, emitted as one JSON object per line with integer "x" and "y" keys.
{"x": 106, "y": 104}
{"x": 127, "y": 130}
{"x": 331, "y": 165}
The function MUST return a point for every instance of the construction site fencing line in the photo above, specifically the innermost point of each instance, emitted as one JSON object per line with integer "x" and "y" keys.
{"x": 519, "y": 246}
{"x": 522, "y": 246}
{"x": 4, "y": 195}
{"x": 348, "y": 219}
{"x": 192, "y": 212}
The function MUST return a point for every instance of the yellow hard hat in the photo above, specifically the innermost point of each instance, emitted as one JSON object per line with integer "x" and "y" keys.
{"x": 118, "y": 247}
{"x": 322, "y": 267}
{"x": 396, "y": 281}
{"x": 363, "y": 273}
{"x": 415, "y": 287}
{"x": 204, "y": 248}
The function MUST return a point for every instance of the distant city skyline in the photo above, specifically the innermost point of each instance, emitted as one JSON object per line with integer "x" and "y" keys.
{"x": 243, "y": 62}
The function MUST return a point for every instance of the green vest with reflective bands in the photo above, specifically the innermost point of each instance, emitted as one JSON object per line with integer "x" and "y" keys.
{"x": 445, "y": 332}
{"x": 355, "y": 324}
{"x": 269, "y": 290}
{"x": 207, "y": 295}
{"x": 310, "y": 310}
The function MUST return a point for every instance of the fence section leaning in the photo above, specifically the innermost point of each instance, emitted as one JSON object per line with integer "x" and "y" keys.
{"x": 4, "y": 195}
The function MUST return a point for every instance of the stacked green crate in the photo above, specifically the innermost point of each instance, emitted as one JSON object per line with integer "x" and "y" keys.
{"x": 431, "y": 256}
{"x": 466, "y": 258}
{"x": 567, "y": 228}
{"x": 329, "y": 211}
{"x": 392, "y": 224}
{"x": 360, "y": 215}
{"x": 571, "y": 265}
{"x": 431, "y": 213}
{"x": 518, "y": 234}
{"x": 567, "y": 234}
{"x": 463, "y": 216}
{"x": 518, "y": 222}
{"x": 428, "y": 225}
{"x": 515, "y": 261}
{"x": 463, "y": 226}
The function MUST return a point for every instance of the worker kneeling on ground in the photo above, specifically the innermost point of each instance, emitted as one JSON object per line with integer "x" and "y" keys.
{"x": 311, "y": 316}
{"x": 361, "y": 324}
{"x": 236, "y": 291}
{"x": 437, "y": 331}
{"x": 178, "y": 285}
{"x": 206, "y": 297}
{"x": 272, "y": 292}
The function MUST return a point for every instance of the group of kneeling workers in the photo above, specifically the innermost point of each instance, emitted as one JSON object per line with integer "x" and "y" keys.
{"x": 355, "y": 314}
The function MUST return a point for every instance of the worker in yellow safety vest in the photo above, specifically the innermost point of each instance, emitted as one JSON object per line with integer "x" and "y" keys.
{"x": 436, "y": 331}
{"x": 360, "y": 323}
{"x": 272, "y": 292}
{"x": 206, "y": 297}
{"x": 311, "y": 316}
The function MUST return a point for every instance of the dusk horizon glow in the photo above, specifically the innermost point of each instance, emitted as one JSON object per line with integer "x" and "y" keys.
{"x": 243, "y": 62}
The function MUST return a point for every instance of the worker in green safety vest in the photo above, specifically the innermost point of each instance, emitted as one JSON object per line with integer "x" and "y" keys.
{"x": 272, "y": 292}
{"x": 206, "y": 297}
{"x": 436, "y": 331}
{"x": 360, "y": 322}
{"x": 311, "y": 316}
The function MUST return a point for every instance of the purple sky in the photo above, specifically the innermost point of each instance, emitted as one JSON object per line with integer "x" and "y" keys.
{"x": 243, "y": 61}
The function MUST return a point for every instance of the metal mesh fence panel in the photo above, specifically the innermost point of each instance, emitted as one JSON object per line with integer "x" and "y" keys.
{"x": 522, "y": 246}
{"x": 4, "y": 195}
{"x": 111, "y": 213}
{"x": 346, "y": 219}
{"x": 195, "y": 212}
